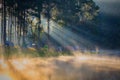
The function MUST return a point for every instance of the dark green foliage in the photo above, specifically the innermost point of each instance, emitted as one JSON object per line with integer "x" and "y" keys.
{"x": 74, "y": 11}
{"x": 64, "y": 12}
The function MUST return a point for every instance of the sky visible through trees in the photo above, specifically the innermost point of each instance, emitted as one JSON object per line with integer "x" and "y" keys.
{"x": 78, "y": 23}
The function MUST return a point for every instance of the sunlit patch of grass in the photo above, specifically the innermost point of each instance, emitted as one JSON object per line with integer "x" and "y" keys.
{"x": 17, "y": 52}
{"x": 44, "y": 64}
{"x": 45, "y": 52}
{"x": 32, "y": 49}
{"x": 68, "y": 68}
{"x": 80, "y": 67}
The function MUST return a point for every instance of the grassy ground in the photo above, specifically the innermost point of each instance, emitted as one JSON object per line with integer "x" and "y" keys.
{"x": 44, "y": 64}
{"x": 62, "y": 68}
{"x": 16, "y": 52}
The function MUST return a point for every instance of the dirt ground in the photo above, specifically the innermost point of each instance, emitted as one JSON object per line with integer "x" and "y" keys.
{"x": 61, "y": 68}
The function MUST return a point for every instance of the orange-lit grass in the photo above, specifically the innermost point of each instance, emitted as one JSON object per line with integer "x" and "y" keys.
{"x": 68, "y": 68}
{"x": 81, "y": 67}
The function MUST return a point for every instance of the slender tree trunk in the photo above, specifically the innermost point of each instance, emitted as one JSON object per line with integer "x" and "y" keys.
{"x": 2, "y": 27}
{"x": 4, "y": 35}
{"x": 39, "y": 27}
{"x": 6, "y": 45}
{"x": 24, "y": 29}
{"x": 16, "y": 31}
{"x": 20, "y": 27}
{"x": 11, "y": 23}
{"x": 48, "y": 21}
{"x": 2, "y": 22}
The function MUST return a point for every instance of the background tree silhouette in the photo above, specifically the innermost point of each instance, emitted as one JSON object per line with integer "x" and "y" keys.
{"x": 16, "y": 13}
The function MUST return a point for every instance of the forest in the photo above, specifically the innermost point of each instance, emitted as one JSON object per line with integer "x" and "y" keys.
{"x": 59, "y": 40}
{"x": 23, "y": 22}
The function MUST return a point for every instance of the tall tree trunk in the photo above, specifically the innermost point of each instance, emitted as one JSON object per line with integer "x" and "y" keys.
{"x": 39, "y": 27}
{"x": 48, "y": 21}
{"x": 2, "y": 22}
{"x": 4, "y": 11}
{"x": 11, "y": 23}
{"x": 24, "y": 29}
{"x": 20, "y": 27}
{"x": 16, "y": 41}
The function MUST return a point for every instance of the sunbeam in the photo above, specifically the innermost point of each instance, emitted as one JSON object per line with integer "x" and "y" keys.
{"x": 66, "y": 37}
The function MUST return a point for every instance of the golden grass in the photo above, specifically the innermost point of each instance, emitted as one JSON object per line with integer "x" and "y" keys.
{"x": 65, "y": 68}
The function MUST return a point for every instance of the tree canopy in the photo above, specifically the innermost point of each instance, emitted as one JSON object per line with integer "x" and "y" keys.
{"x": 68, "y": 11}
{"x": 20, "y": 13}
